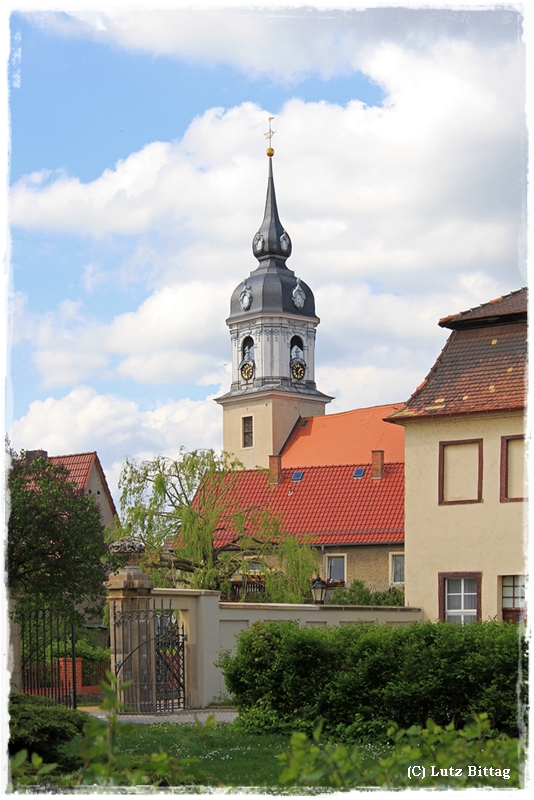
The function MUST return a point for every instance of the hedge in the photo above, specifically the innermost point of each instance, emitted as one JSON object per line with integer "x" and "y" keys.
{"x": 362, "y": 677}
{"x": 39, "y": 726}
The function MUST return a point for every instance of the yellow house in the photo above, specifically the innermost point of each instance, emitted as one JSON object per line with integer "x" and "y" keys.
{"x": 464, "y": 469}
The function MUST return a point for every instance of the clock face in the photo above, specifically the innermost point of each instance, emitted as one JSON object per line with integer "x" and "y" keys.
{"x": 298, "y": 370}
{"x": 247, "y": 371}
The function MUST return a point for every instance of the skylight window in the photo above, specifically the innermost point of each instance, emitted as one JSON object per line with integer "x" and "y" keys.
{"x": 297, "y": 476}
{"x": 359, "y": 472}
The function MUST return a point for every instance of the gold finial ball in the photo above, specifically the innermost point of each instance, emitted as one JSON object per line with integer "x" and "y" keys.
{"x": 270, "y": 152}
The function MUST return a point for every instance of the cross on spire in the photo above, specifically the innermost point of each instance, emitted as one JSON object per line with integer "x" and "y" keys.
{"x": 269, "y": 135}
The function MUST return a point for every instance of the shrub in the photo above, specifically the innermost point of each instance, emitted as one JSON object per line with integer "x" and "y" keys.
{"x": 359, "y": 595}
{"x": 422, "y": 758}
{"x": 360, "y": 678}
{"x": 39, "y": 726}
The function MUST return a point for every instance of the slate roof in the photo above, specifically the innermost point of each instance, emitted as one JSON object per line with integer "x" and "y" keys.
{"x": 513, "y": 305}
{"x": 329, "y": 504}
{"x": 482, "y": 367}
{"x": 344, "y": 438}
{"x": 80, "y": 466}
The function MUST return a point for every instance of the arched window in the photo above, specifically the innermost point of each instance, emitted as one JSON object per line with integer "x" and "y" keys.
{"x": 296, "y": 348}
{"x": 247, "y": 349}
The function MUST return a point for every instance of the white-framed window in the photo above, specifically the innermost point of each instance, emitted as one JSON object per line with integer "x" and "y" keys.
{"x": 461, "y": 600}
{"x": 396, "y": 568}
{"x": 336, "y": 567}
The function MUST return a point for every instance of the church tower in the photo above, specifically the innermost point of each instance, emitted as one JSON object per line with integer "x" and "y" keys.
{"x": 272, "y": 329}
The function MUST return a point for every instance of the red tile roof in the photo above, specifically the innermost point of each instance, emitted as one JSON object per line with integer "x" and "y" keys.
{"x": 481, "y": 369}
{"x": 80, "y": 466}
{"x": 329, "y": 503}
{"x": 514, "y": 303}
{"x": 344, "y": 438}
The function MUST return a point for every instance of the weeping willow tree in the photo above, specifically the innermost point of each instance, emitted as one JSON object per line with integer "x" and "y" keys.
{"x": 197, "y": 528}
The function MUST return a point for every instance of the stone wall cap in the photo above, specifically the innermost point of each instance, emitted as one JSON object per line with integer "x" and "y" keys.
{"x": 188, "y": 593}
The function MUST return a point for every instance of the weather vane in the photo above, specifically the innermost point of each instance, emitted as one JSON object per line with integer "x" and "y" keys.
{"x": 269, "y": 135}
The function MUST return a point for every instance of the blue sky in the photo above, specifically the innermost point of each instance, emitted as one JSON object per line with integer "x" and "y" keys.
{"x": 138, "y": 177}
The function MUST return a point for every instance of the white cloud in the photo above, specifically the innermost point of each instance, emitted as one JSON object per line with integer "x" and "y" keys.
{"x": 402, "y": 198}
{"x": 398, "y": 214}
{"x": 282, "y": 43}
{"x": 115, "y": 427}
{"x": 430, "y": 182}
{"x": 176, "y": 335}
{"x": 363, "y": 386}
{"x": 93, "y": 276}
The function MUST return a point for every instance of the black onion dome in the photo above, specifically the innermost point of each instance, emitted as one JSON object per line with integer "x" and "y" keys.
{"x": 272, "y": 292}
{"x": 271, "y": 243}
{"x": 272, "y": 287}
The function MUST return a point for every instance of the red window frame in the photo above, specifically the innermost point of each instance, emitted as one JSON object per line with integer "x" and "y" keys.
{"x": 504, "y": 470}
{"x": 441, "y": 472}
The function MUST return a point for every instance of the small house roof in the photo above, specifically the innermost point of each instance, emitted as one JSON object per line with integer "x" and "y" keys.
{"x": 329, "y": 504}
{"x": 344, "y": 438}
{"x": 482, "y": 367}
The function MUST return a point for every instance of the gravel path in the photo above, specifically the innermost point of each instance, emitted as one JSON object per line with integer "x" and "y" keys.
{"x": 179, "y": 717}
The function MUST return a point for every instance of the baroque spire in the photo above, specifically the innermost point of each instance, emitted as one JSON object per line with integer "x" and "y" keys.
{"x": 271, "y": 243}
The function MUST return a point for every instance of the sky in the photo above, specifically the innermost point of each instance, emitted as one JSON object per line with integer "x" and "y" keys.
{"x": 137, "y": 180}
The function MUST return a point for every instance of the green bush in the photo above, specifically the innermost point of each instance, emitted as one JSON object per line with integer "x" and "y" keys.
{"x": 422, "y": 758}
{"x": 39, "y": 726}
{"x": 360, "y": 678}
{"x": 359, "y": 595}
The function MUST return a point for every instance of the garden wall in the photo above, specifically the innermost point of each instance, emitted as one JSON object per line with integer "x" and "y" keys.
{"x": 212, "y": 626}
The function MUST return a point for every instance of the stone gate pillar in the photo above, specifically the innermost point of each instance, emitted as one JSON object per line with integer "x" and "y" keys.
{"x": 132, "y": 635}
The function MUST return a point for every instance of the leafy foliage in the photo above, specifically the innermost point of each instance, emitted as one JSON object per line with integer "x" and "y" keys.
{"x": 100, "y": 761}
{"x": 38, "y": 725}
{"x": 359, "y": 678}
{"x": 196, "y": 531}
{"x": 442, "y": 757}
{"x": 56, "y": 550}
{"x": 358, "y": 594}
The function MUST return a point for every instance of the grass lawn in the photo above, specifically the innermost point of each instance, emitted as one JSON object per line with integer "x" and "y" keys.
{"x": 229, "y": 757}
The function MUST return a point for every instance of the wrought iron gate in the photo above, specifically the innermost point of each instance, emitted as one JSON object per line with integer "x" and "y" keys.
{"x": 48, "y": 655}
{"x": 148, "y": 649}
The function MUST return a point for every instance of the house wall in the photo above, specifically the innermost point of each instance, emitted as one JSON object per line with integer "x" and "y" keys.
{"x": 484, "y": 537}
{"x": 95, "y": 488}
{"x": 368, "y": 563}
{"x": 274, "y": 417}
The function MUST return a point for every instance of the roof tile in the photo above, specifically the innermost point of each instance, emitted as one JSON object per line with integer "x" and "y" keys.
{"x": 478, "y": 370}
{"x": 344, "y": 438}
{"x": 329, "y": 505}
{"x": 79, "y": 466}
{"x": 509, "y": 304}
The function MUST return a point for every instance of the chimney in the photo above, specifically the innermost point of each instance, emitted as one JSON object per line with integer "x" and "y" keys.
{"x": 377, "y": 462}
{"x": 31, "y": 455}
{"x": 275, "y": 469}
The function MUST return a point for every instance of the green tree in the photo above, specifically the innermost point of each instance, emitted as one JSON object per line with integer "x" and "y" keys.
{"x": 189, "y": 514}
{"x": 56, "y": 550}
